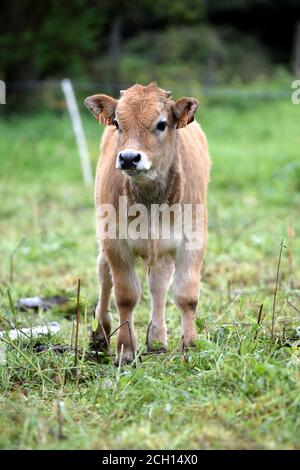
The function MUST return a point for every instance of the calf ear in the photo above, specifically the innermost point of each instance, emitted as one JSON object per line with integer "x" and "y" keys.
{"x": 184, "y": 110}
{"x": 103, "y": 107}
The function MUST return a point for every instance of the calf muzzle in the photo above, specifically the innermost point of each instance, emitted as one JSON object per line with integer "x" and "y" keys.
{"x": 129, "y": 160}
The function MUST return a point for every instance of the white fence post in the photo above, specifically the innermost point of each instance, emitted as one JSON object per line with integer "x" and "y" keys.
{"x": 68, "y": 91}
{"x": 2, "y": 92}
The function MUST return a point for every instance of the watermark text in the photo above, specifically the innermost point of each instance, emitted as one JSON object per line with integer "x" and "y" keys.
{"x": 296, "y": 93}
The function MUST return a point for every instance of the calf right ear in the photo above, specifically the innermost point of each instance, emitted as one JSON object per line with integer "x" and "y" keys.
{"x": 184, "y": 110}
{"x": 103, "y": 107}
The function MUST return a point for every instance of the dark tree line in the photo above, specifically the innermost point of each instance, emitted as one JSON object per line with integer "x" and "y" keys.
{"x": 91, "y": 38}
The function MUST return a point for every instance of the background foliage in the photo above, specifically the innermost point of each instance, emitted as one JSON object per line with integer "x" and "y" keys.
{"x": 123, "y": 41}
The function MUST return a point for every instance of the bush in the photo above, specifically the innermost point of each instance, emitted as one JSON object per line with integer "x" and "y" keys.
{"x": 193, "y": 54}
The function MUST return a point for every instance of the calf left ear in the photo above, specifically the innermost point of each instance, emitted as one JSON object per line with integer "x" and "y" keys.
{"x": 103, "y": 107}
{"x": 184, "y": 111}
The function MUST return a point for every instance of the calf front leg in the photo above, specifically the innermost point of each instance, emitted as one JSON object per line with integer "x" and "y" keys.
{"x": 159, "y": 280}
{"x": 127, "y": 295}
{"x": 100, "y": 337}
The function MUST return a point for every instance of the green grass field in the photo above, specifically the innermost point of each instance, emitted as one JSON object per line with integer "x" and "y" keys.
{"x": 239, "y": 388}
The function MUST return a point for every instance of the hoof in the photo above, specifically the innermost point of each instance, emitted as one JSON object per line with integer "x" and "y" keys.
{"x": 156, "y": 350}
{"x": 187, "y": 344}
{"x": 126, "y": 361}
{"x": 97, "y": 343}
{"x": 156, "y": 340}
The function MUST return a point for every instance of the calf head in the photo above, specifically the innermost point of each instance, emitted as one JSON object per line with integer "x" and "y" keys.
{"x": 146, "y": 120}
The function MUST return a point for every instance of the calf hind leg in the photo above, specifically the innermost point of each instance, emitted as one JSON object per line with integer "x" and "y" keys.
{"x": 186, "y": 295}
{"x": 159, "y": 280}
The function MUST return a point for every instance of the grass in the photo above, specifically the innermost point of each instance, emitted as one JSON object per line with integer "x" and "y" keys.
{"x": 238, "y": 388}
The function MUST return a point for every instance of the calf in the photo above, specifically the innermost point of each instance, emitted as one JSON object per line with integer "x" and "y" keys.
{"x": 153, "y": 154}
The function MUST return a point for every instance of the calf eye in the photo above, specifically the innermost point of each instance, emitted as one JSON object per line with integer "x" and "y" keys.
{"x": 161, "y": 125}
{"x": 115, "y": 123}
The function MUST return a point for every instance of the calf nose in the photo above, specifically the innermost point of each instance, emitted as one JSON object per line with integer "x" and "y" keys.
{"x": 129, "y": 160}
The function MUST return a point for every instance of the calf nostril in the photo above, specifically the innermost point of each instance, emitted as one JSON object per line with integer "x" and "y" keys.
{"x": 137, "y": 158}
{"x": 121, "y": 158}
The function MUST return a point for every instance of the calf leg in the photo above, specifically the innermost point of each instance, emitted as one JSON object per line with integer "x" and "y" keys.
{"x": 100, "y": 337}
{"x": 159, "y": 279}
{"x": 127, "y": 294}
{"x": 186, "y": 293}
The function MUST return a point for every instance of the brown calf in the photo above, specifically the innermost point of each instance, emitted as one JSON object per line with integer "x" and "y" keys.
{"x": 152, "y": 153}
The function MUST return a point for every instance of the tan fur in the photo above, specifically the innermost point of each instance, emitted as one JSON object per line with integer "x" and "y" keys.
{"x": 180, "y": 174}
